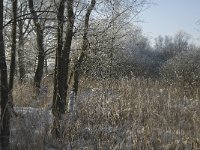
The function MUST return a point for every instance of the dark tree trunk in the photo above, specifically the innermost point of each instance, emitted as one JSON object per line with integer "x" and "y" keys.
{"x": 5, "y": 114}
{"x": 63, "y": 67}
{"x": 78, "y": 63}
{"x": 40, "y": 46}
{"x": 56, "y": 103}
{"x": 13, "y": 48}
{"x": 62, "y": 64}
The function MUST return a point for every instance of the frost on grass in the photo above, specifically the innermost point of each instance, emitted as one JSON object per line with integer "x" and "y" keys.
{"x": 133, "y": 114}
{"x": 30, "y": 124}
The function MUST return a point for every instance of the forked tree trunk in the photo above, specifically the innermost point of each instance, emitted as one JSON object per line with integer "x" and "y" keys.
{"x": 5, "y": 114}
{"x": 40, "y": 46}
{"x": 62, "y": 64}
{"x": 78, "y": 63}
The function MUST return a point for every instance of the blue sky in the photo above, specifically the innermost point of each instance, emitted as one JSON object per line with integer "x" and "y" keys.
{"x": 167, "y": 17}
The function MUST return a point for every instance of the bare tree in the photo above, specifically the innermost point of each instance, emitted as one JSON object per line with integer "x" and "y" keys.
{"x": 22, "y": 30}
{"x": 62, "y": 63}
{"x": 13, "y": 47}
{"x": 78, "y": 63}
{"x": 5, "y": 114}
{"x": 56, "y": 103}
{"x": 41, "y": 55}
{"x": 181, "y": 41}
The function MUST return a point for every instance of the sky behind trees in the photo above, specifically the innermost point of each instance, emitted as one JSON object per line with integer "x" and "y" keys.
{"x": 166, "y": 17}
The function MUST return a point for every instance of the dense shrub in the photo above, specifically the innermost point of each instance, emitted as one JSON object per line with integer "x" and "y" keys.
{"x": 183, "y": 69}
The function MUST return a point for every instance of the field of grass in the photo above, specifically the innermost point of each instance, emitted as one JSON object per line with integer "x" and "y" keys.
{"x": 126, "y": 114}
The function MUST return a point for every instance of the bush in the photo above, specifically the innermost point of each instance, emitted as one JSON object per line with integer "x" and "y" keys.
{"x": 183, "y": 69}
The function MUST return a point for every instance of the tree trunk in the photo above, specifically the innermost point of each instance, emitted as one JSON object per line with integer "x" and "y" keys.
{"x": 21, "y": 53}
{"x": 56, "y": 103}
{"x": 78, "y": 63}
{"x": 62, "y": 64}
{"x": 5, "y": 114}
{"x": 46, "y": 66}
{"x": 40, "y": 46}
{"x": 13, "y": 47}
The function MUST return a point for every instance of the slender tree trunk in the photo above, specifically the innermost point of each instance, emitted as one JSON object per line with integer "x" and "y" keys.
{"x": 22, "y": 31}
{"x": 56, "y": 103}
{"x": 40, "y": 46}
{"x": 78, "y": 63}
{"x": 62, "y": 64}
{"x": 21, "y": 53}
{"x": 5, "y": 114}
{"x": 46, "y": 66}
{"x": 13, "y": 47}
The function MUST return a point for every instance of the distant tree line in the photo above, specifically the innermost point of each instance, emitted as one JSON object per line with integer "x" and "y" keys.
{"x": 168, "y": 59}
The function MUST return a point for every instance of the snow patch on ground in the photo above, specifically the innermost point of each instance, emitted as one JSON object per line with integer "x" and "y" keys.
{"x": 30, "y": 123}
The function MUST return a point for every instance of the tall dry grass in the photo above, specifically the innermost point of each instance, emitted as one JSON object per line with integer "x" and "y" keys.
{"x": 119, "y": 114}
